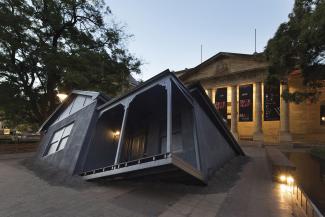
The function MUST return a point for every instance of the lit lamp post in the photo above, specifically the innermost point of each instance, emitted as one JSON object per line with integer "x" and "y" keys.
{"x": 62, "y": 96}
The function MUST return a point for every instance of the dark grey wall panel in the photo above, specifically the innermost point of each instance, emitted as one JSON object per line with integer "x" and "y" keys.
{"x": 183, "y": 145}
{"x": 67, "y": 158}
{"x": 153, "y": 137}
{"x": 88, "y": 138}
{"x": 213, "y": 148}
{"x": 189, "y": 152}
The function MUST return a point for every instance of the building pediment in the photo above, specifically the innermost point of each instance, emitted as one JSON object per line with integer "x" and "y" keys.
{"x": 223, "y": 64}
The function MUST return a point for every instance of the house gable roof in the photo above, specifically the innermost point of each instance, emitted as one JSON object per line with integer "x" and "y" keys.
{"x": 53, "y": 117}
{"x": 196, "y": 91}
{"x": 137, "y": 88}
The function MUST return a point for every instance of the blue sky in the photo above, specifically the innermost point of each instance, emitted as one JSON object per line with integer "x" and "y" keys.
{"x": 169, "y": 33}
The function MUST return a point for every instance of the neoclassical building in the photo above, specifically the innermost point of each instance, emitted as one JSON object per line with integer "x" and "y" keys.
{"x": 259, "y": 113}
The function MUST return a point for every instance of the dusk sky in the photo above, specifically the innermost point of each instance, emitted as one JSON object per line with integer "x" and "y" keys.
{"x": 169, "y": 33}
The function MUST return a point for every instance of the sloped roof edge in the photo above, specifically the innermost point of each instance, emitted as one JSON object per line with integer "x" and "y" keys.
{"x": 146, "y": 83}
{"x": 93, "y": 94}
{"x": 202, "y": 98}
{"x": 212, "y": 59}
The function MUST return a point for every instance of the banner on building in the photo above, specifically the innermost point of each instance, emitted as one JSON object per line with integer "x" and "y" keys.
{"x": 246, "y": 103}
{"x": 272, "y": 102}
{"x": 221, "y": 102}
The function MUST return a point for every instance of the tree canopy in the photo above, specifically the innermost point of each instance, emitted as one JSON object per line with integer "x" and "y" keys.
{"x": 299, "y": 44}
{"x": 47, "y": 46}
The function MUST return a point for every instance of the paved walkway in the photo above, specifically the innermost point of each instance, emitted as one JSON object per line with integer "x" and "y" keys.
{"x": 242, "y": 188}
{"x": 255, "y": 194}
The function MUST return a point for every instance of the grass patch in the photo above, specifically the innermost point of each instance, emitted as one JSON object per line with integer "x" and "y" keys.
{"x": 318, "y": 152}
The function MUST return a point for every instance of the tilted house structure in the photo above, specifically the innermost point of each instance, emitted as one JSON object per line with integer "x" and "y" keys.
{"x": 67, "y": 130}
{"x": 160, "y": 128}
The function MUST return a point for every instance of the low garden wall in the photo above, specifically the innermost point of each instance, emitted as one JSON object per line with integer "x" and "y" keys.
{"x": 11, "y": 145}
{"x": 18, "y": 148}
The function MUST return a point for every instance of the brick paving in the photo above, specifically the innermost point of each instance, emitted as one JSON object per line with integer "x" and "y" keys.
{"x": 243, "y": 187}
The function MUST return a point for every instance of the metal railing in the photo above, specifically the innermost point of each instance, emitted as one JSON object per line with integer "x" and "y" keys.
{"x": 126, "y": 164}
{"x": 303, "y": 201}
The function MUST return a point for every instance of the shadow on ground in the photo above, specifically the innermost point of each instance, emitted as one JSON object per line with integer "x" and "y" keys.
{"x": 222, "y": 180}
{"x": 141, "y": 196}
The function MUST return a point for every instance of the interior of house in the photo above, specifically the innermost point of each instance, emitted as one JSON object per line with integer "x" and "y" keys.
{"x": 145, "y": 130}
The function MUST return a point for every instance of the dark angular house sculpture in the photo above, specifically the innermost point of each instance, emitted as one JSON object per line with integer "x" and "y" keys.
{"x": 161, "y": 128}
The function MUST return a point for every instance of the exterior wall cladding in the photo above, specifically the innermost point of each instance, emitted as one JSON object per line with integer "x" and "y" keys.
{"x": 67, "y": 158}
{"x": 160, "y": 127}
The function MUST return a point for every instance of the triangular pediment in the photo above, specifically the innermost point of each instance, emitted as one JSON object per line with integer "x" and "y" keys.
{"x": 223, "y": 64}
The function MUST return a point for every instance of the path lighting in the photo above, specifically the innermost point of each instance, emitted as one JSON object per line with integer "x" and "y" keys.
{"x": 284, "y": 188}
{"x": 286, "y": 179}
{"x": 290, "y": 180}
{"x": 62, "y": 96}
{"x": 283, "y": 178}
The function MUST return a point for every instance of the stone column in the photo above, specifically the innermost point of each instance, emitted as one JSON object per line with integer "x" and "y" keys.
{"x": 258, "y": 133}
{"x": 234, "y": 121}
{"x": 285, "y": 135}
{"x": 213, "y": 96}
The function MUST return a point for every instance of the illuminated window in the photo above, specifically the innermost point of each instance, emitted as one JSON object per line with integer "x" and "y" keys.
{"x": 59, "y": 139}
{"x": 322, "y": 114}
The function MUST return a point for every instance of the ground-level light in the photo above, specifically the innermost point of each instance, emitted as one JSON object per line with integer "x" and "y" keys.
{"x": 287, "y": 179}
{"x": 283, "y": 178}
{"x": 290, "y": 180}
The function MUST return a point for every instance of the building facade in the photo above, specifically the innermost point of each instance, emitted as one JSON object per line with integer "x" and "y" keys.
{"x": 253, "y": 110}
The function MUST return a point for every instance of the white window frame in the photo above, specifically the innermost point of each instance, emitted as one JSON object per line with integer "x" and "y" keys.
{"x": 58, "y": 142}
{"x": 70, "y": 109}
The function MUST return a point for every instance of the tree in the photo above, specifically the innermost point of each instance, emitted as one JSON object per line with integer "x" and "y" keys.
{"x": 299, "y": 44}
{"x": 48, "y": 46}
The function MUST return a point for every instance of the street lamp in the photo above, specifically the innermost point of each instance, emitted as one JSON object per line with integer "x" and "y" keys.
{"x": 62, "y": 96}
